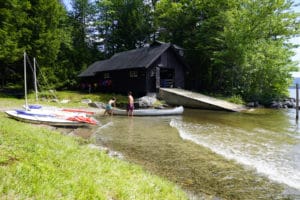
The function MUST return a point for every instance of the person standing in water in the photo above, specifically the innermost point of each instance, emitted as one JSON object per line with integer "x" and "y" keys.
{"x": 130, "y": 105}
{"x": 108, "y": 107}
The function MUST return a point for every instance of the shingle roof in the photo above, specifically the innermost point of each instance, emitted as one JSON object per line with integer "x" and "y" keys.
{"x": 91, "y": 69}
{"x": 137, "y": 58}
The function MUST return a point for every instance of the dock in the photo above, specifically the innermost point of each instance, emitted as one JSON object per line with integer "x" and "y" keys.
{"x": 189, "y": 99}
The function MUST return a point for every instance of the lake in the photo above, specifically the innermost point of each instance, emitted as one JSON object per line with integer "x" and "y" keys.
{"x": 253, "y": 155}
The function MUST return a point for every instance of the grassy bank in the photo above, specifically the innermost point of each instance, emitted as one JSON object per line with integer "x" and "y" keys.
{"x": 55, "y": 99}
{"x": 37, "y": 163}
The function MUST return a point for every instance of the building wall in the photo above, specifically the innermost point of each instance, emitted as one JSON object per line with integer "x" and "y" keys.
{"x": 170, "y": 61}
{"x": 151, "y": 77}
{"x": 122, "y": 81}
{"x": 140, "y": 80}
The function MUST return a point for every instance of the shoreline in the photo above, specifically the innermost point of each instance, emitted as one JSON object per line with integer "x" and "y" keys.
{"x": 89, "y": 139}
{"x": 48, "y": 153}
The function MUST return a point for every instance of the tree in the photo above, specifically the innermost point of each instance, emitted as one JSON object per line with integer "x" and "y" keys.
{"x": 235, "y": 47}
{"x": 124, "y": 25}
{"x": 81, "y": 51}
{"x": 257, "y": 52}
{"x": 12, "y": 29}
{"x": 47, "y": 20}
{"x": 197, "y": 26}
{"x": 35, "y": 27}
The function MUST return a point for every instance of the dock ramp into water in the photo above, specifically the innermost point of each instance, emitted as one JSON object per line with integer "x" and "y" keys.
{"x": 186, "y": 98}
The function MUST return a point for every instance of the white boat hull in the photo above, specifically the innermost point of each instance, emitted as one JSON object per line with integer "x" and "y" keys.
{"x": 151, "y": 112}
{"x": 48, "y": 120}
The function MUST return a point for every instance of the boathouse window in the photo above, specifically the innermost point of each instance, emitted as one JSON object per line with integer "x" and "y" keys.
{"x": 106, "y": 75}
{"x": 133, "y": 74}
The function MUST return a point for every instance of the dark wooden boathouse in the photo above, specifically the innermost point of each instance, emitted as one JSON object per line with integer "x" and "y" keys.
{"x": 141, "y": 70}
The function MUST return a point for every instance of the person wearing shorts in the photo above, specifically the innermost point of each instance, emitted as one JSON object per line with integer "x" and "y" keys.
{"x": 108, "y": 107}
{"x": 130, "y": 105}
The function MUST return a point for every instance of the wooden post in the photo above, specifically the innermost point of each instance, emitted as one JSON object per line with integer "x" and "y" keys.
{"x": 297, "y": 101}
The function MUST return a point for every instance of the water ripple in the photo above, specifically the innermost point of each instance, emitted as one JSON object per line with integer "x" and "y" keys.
{"x": 274, "y": 155}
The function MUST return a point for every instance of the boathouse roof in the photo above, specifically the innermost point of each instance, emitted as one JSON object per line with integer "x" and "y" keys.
{"x": 136, "y": 58}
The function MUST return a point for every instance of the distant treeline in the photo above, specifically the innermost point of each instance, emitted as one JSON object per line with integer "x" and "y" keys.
{"x": 234, "y": 47}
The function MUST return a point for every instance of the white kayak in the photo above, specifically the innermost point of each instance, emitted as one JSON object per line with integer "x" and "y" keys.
{"x": 151, "y": 111}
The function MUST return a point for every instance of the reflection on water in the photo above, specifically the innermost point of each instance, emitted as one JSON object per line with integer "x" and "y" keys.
{"x": 267, "y": 141}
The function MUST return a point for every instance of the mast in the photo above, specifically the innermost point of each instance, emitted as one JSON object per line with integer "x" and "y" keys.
{"x": 25, "y": 82}
{"x": 35, "y": 81}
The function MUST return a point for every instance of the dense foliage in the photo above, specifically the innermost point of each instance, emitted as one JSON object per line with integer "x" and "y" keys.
{"x": 234, "y": 47}
{"x": 123, "y": 24}
{"x": 37, "y": 27}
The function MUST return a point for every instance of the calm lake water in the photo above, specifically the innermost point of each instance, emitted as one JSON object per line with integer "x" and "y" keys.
{"x": 222, "y": 154}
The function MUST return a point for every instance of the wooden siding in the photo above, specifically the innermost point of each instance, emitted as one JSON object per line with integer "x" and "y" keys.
{"x": 122, "y": 82}
{"x": 142, "y": 80}
{"x": 170, "y": 61}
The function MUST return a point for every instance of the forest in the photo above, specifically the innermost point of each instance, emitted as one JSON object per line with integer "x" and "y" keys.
{"x": 233, "y": 47}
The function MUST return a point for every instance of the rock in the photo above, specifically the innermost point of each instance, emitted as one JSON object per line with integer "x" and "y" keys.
{"x": 276, "y": 104}
{"x": 288, "y": 104}
{"x": 54, "y": 100}
{"x": 65, "y": 101}
{"x": 146, "y": 101}
{"x": 87, "y": 101}
{"x": 251, "y": 104}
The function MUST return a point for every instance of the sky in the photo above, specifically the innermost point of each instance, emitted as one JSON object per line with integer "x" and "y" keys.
{"x": 296, "y": 40}
{"x": 67, "y": 4}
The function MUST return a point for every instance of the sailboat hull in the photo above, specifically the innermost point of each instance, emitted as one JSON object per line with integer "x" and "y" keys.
{"x": 37, "y": 115}
{"x": 48, "y": 120}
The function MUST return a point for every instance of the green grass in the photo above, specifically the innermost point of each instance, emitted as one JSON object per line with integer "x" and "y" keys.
{"x": 46, "y": 99}
{"x": 41, "y": 164}
{"x": 236, "y": 99}
{"x": 75, "y": 96}
{"x": 37, "y": 163}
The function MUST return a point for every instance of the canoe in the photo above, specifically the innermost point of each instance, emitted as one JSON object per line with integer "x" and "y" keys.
{"x": 151, "y": 112}
{"x": 50, "y": 119}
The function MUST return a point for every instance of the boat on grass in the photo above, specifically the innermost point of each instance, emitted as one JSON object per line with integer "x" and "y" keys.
{"x": 50, "y": 116}
{"x": 72, "y": 111}
{"x": 54, "y": 116}
{"x": 51, "y": 119}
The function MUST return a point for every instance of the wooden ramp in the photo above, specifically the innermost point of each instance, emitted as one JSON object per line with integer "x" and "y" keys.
{"x": 176, "y": 96}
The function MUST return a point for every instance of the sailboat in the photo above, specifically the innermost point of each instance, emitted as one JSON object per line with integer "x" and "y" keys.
{"x": 52, "y": 117}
